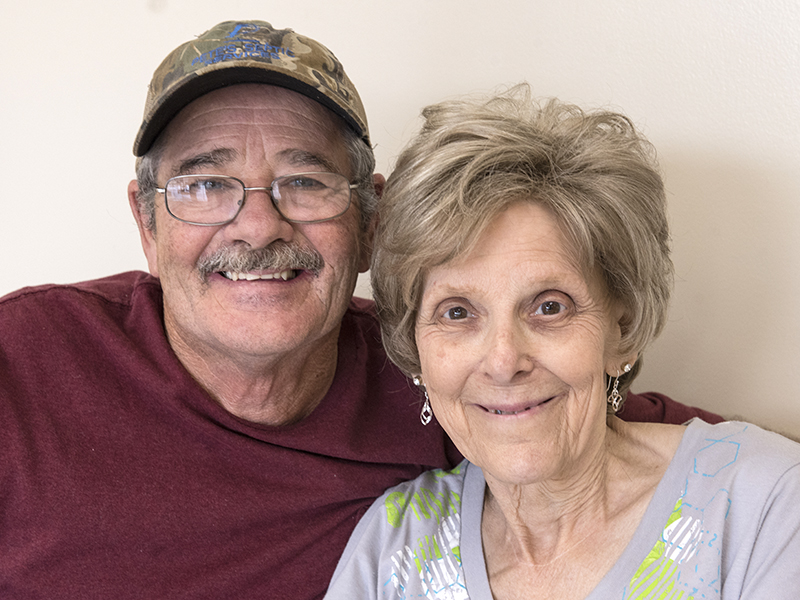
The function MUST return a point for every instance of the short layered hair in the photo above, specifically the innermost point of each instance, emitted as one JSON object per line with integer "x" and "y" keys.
{"x": 473, "y": 158}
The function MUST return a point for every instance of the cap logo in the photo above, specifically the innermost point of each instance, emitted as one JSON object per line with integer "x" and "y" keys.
{"x": 249, "y": 27}
{"x": 242, "y": 47}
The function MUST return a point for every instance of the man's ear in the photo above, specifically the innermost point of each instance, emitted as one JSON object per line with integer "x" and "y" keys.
{"x": 146, "y": 235}
{"x": 379, "y": 181}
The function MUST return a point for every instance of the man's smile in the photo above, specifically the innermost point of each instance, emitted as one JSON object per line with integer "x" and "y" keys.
{"x": 250, "y": 276}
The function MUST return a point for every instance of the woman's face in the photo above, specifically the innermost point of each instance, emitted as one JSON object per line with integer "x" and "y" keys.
{"x": 514, "y": 342}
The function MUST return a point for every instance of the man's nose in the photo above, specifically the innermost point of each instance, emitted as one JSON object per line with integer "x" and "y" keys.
{"x": 259, "y": 223}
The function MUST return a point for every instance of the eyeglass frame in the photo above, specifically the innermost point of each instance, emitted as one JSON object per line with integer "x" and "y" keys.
{"x": 269, "y": 191}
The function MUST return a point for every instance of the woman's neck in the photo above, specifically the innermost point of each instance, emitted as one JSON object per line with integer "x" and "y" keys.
{"x": 542, "y": 520}
{"x": 546, "y": 534}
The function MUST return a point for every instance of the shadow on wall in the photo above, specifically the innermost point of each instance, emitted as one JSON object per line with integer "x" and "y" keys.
{"x": 732, "y": 343}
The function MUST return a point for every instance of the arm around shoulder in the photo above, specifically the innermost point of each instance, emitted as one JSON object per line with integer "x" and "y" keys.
{"x": 652, "y": 407}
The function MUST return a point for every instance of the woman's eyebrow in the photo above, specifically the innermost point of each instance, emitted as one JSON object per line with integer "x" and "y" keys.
{"x": 214, "y": 158}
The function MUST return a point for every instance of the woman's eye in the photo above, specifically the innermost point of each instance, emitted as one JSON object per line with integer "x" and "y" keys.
{"x": 457, "y": 312}
{"x": 550, "y": 307}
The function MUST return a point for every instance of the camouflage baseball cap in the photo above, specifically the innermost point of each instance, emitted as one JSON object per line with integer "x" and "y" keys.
{"x": 247, "y": 52}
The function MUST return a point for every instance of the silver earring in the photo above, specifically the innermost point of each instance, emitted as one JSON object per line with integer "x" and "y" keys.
{"x": 615, "y": 398}
{"x": 427, "y": 414}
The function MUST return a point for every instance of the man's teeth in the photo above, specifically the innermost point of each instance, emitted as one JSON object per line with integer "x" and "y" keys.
{"x": 285, "y": 275}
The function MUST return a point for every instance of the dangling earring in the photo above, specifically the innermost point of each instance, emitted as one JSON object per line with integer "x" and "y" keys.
{"x": 427, "y": 414}
{"x": 615, "y": 398}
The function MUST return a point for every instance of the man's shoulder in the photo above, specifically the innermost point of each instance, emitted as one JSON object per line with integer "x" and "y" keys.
{"x": 653, "y": 407}
{"x": 362, "y": 317}
{"x": 117, "y": 289}
{"x": 59, "y": 338}
{"x": 362, "y": 307}
{"x": 77, "y": 306}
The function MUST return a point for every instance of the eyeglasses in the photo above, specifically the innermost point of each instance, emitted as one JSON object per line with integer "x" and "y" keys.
{"x": 217, "y": 199}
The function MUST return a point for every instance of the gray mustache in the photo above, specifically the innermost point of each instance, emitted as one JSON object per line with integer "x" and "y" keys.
{"x": 276, "y": 256}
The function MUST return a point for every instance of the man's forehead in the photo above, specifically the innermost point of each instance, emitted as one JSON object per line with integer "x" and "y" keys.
{"x": 214, "y": 129}
{"x": 258, "y": 100}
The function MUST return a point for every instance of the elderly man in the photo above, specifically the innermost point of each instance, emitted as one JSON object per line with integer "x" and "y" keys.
{"x": 216, "y": 428}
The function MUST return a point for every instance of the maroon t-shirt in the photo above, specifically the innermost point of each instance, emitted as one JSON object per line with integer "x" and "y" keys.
{"x": 121, "y": 478}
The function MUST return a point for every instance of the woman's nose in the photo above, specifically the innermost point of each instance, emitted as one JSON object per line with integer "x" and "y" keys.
{"x": 509, "y": 353}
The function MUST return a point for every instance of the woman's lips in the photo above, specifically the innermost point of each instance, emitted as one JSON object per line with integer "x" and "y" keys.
{"x": 514, "y": 409}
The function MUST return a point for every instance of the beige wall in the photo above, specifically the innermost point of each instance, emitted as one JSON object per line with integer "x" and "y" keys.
{"x": 714, "y": 84}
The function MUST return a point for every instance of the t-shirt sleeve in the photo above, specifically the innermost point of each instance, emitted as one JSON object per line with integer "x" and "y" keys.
{"x": 773, "y": 569}
{"x": 652, "y": 407}
{"x": 408, "y": 543}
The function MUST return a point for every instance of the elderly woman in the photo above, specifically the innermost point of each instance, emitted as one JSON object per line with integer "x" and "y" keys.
{"x": 522, "y": 267}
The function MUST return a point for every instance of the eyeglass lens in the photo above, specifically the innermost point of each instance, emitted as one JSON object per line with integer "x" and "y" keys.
{"x": 216, "y": 199}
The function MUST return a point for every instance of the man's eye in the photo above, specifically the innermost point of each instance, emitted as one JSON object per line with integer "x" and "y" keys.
{"x": 551, "y": 307}
{"x": 200, "y": 187}
{"x": 213, "y": 185}
{"x": 457, "y": 312}
{"x": 303, "y": 183}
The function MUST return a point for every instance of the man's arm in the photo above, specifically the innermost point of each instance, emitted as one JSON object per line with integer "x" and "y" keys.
{"x": 652, "y": 407}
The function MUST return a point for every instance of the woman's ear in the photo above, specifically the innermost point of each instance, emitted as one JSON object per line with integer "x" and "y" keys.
{"x": 616, "y": 358}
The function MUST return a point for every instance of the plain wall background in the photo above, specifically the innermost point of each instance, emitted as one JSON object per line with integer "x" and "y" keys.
{"x": 715, "y": 85}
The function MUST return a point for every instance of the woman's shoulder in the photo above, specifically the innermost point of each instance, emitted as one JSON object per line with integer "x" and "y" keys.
{"x": 741, "y": 450}
{"x": 739, "y": 457}
{"x": 735, "y": 444}
{"x": 744, "y": 442}
{"x": 723, "y": 512}
{"x": 433, "y": 494}
{"x": 414, "y": 505}
{"x": 414, "y": 524}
